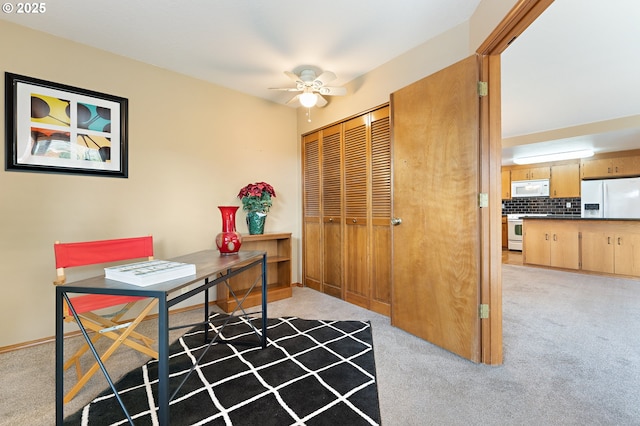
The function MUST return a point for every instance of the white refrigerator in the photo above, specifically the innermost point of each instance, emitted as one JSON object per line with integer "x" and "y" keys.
{"x": 611, "y": 198}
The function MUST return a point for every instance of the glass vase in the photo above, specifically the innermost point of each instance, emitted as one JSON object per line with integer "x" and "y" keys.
{"x": 255, "y": 222}
{"x": 228, "y": 241}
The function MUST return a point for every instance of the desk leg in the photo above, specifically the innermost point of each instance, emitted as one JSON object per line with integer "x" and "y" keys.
{"x": 59, "y": 360}
{"x": 163, "y": 362}
{"x": 206, "y": 311}
{"x": 264, "y": 301}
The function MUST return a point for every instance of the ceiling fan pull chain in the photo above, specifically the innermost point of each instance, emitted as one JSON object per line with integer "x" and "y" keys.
{"x": 309, "y": 115}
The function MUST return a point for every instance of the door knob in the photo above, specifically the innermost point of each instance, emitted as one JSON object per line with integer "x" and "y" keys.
{"x": 396, "y": 221}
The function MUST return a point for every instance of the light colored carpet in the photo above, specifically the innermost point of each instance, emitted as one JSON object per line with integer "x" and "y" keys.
{"x": 571, "y": 345}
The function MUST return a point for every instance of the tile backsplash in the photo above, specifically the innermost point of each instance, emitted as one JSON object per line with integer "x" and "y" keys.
{"x": 542, "y": 205}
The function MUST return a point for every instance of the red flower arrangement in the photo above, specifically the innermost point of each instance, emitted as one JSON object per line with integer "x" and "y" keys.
{"x": 256, "y": 197}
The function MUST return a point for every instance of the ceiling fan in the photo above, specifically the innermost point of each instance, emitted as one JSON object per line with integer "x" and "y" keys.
{"x": 312, "y": 87}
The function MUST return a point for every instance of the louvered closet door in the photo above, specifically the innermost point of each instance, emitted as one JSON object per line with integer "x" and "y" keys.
{"x": 356, "y": 188}
{"x": 380, "y": 212}
{"x": 312, "y": 256}
{"x": 332, "y": 211}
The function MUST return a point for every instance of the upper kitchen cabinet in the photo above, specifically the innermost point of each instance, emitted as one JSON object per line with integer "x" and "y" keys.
{"x": 531, "y": 173}
{"x": 506, "y": 184}
{"x": 612, "y": 166}
{"x": 565, "y": 181}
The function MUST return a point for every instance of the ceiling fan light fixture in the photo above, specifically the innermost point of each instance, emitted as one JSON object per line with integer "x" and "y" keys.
{"x": 570, "y": 155}
{"x": 308, "y": 99}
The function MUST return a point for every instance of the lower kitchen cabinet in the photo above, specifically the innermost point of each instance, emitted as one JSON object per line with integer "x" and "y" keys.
{"x": 553, "y": 243}
{"x": 610, "y": 247}
{"x": 599, "y": 245}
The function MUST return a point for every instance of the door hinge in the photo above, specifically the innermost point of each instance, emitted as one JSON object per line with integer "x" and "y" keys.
{"x": 484, "y": 311}
{"x": 483, "y": 88}
{"x": 483, "y": 199}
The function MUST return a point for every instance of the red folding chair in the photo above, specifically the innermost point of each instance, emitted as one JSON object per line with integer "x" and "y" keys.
{"x": 70, "y": 255}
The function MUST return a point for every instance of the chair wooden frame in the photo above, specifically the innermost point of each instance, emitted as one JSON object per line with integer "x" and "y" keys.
{"x": 70, "y": 255}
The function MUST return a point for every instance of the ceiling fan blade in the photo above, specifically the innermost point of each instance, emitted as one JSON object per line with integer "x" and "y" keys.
{"x": 333, "y": 91}
{"x": 294, "y": 99}
{"x": 286, "y": 89}
{"x": 324, "y": 78}
{"x": 293, "y": 76}
{"x": 321, "y": 101}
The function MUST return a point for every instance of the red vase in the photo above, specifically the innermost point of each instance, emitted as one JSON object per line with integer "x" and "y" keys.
{"x": 228, "y": 241}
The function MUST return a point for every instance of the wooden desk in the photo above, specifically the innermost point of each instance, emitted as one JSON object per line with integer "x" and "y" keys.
{"x": 211, "y": 269}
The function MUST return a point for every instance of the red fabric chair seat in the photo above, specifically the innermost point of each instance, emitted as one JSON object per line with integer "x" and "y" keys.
{"x": 94, "y": 302}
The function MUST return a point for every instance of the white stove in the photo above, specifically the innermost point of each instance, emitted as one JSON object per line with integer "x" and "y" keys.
{"x": 514, "y": 227}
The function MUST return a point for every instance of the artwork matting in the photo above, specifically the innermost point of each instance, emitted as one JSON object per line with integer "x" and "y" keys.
{"x": 56, "y": 128}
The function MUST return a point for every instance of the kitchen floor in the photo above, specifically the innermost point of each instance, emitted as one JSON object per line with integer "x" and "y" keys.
{"x": 511, "y": 257}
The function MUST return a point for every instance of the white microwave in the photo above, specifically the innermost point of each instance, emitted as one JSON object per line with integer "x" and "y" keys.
{"x": 530, "y": 188}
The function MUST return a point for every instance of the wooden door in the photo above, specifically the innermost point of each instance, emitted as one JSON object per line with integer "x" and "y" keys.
{"x": 312, "y": 256}
{"x": 332, "y": 211}
{"x": 356, "y": 152}
{"x": 436, "y": 248}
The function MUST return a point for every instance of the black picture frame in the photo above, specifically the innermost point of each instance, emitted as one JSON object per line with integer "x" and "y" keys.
{"x": 55, "y": 128}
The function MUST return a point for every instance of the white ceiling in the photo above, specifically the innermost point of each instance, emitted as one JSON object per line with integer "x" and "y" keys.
{"x": 578, "y": 63}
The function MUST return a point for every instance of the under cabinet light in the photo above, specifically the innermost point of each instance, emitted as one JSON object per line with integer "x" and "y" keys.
{"x": 571, "y": 155}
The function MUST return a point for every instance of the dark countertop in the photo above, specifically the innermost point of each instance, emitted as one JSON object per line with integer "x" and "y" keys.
{"x": 562, "y": 217}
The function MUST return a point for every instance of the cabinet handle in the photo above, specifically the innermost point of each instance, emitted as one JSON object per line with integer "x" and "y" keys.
{"x": 608, "y": 240}
{"x": 330, "y": 219}
{"x": 555, "y": 237}
{"x": 616, "y": 169}
{"x": 546, "y": 237}
{"x": 355, "y": 220}
{"x": 608, "y": 169}
{"x": 619, "y": 241}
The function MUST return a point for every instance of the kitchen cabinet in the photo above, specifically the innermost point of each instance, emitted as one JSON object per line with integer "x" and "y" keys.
{"x": 278, "y": 249}
{"x": 506, "y": 184}
{"x": 611, "y": 247}
{"x": 553, "y": 243}
{"x": 565, "y": 181}
{"x": 611, "y": 167}
{"x": 531, "y": 173}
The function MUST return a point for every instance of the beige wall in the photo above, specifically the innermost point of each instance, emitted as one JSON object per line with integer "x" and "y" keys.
{"x": 192, "y": 146}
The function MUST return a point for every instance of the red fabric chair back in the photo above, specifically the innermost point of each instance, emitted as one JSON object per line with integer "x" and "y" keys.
{"x": 92, "y": 252}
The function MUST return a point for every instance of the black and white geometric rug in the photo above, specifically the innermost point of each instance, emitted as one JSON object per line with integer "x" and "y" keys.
{"x": 312, "y": 372}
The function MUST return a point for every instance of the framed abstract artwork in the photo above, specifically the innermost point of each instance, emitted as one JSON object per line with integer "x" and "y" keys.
{"x": 56, "y": 128}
